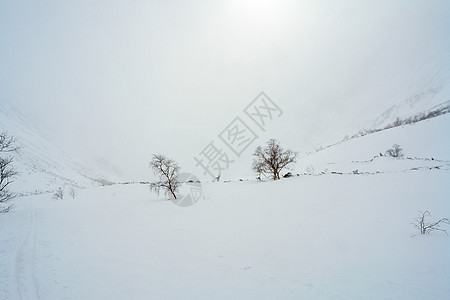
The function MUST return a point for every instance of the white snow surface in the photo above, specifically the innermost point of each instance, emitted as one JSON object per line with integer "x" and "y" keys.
{"x": 424, "y": 144}
{"x": 315, "y": 236}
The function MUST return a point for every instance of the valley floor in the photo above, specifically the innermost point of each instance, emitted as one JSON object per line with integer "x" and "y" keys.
{"x": 307, "y": 237}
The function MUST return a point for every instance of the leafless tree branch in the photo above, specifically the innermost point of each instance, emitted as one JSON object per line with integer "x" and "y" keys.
{"x": 167, "y": 171}
{"x": 7, "y": 172}
{"x": 395, "y": 151}
{"x": 272, "y": 159}
{"x": 59, "y": 194}
{"x": 425, "y": 227}
{"x": 73, "y": 192}
{"x": 8, "y": 143}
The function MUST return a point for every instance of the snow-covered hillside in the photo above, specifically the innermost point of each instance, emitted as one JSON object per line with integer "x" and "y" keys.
{"x": 43, "y": 166}
{"x": 425, "y": 144}
{"x": 330, "y": 236}
{"x": 427, "y": 93}
{"x": 412, "y": 105}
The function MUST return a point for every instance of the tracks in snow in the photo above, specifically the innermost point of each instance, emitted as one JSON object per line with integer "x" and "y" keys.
{"x": 27, "y": 284}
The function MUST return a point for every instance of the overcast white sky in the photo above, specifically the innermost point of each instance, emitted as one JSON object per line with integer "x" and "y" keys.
{"x": 125, "y": 79}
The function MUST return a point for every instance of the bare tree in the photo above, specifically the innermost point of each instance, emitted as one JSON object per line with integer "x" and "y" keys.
{"x": 272, "y": 159}
{"x": 59, "y": 194}
{"x": 7, "y": 172}
{"x": 425, "y": 228}
{"x": 167, "y": 171}
{"x": 73, "y": 192}
{"x": 395, "y": 151}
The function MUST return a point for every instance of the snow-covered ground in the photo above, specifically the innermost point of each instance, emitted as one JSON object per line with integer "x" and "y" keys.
{"x": 425, "y": 144}
{"x": 328, "y": 236}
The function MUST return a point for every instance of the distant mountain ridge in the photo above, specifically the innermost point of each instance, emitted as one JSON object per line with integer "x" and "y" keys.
{"x": 43, "y": 166}
{"x": 426, "y": 95}
{"x": 424, "y": 144}
{"x": 433, "y": 112}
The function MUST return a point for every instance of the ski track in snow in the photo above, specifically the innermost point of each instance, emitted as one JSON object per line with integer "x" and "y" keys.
{"x": 27, "y": 284}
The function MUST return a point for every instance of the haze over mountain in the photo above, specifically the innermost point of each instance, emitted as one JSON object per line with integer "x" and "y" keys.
{"x": 91, "y": 89}
{"x": 123, "y": 81}
{"x": 344, "y": 229}
{"x": 43, "y": 166}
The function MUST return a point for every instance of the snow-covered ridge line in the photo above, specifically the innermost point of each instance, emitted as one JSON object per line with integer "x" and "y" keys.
{"x": 436, "y": 111}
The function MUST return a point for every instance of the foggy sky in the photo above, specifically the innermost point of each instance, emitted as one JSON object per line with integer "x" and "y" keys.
{"x": 125, "y": 79}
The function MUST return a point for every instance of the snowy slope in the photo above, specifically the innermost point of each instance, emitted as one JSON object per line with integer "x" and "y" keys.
{"x": 330, "y": 236}
{"x": 421, "y": 142}
{"x": 42, "y": 165}
{"x": 424, "y": 90}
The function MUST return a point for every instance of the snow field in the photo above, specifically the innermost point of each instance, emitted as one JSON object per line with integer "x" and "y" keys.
{"x": 330, "y": 236}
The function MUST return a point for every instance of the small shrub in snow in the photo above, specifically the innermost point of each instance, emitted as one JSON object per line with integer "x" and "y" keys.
{"x": 73, "y": 193}
{"x": 59, "y": 194}
{"x": 425, "y": 227}
{"x": 395, "y": 151}
{"x": 310, "y": 170}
